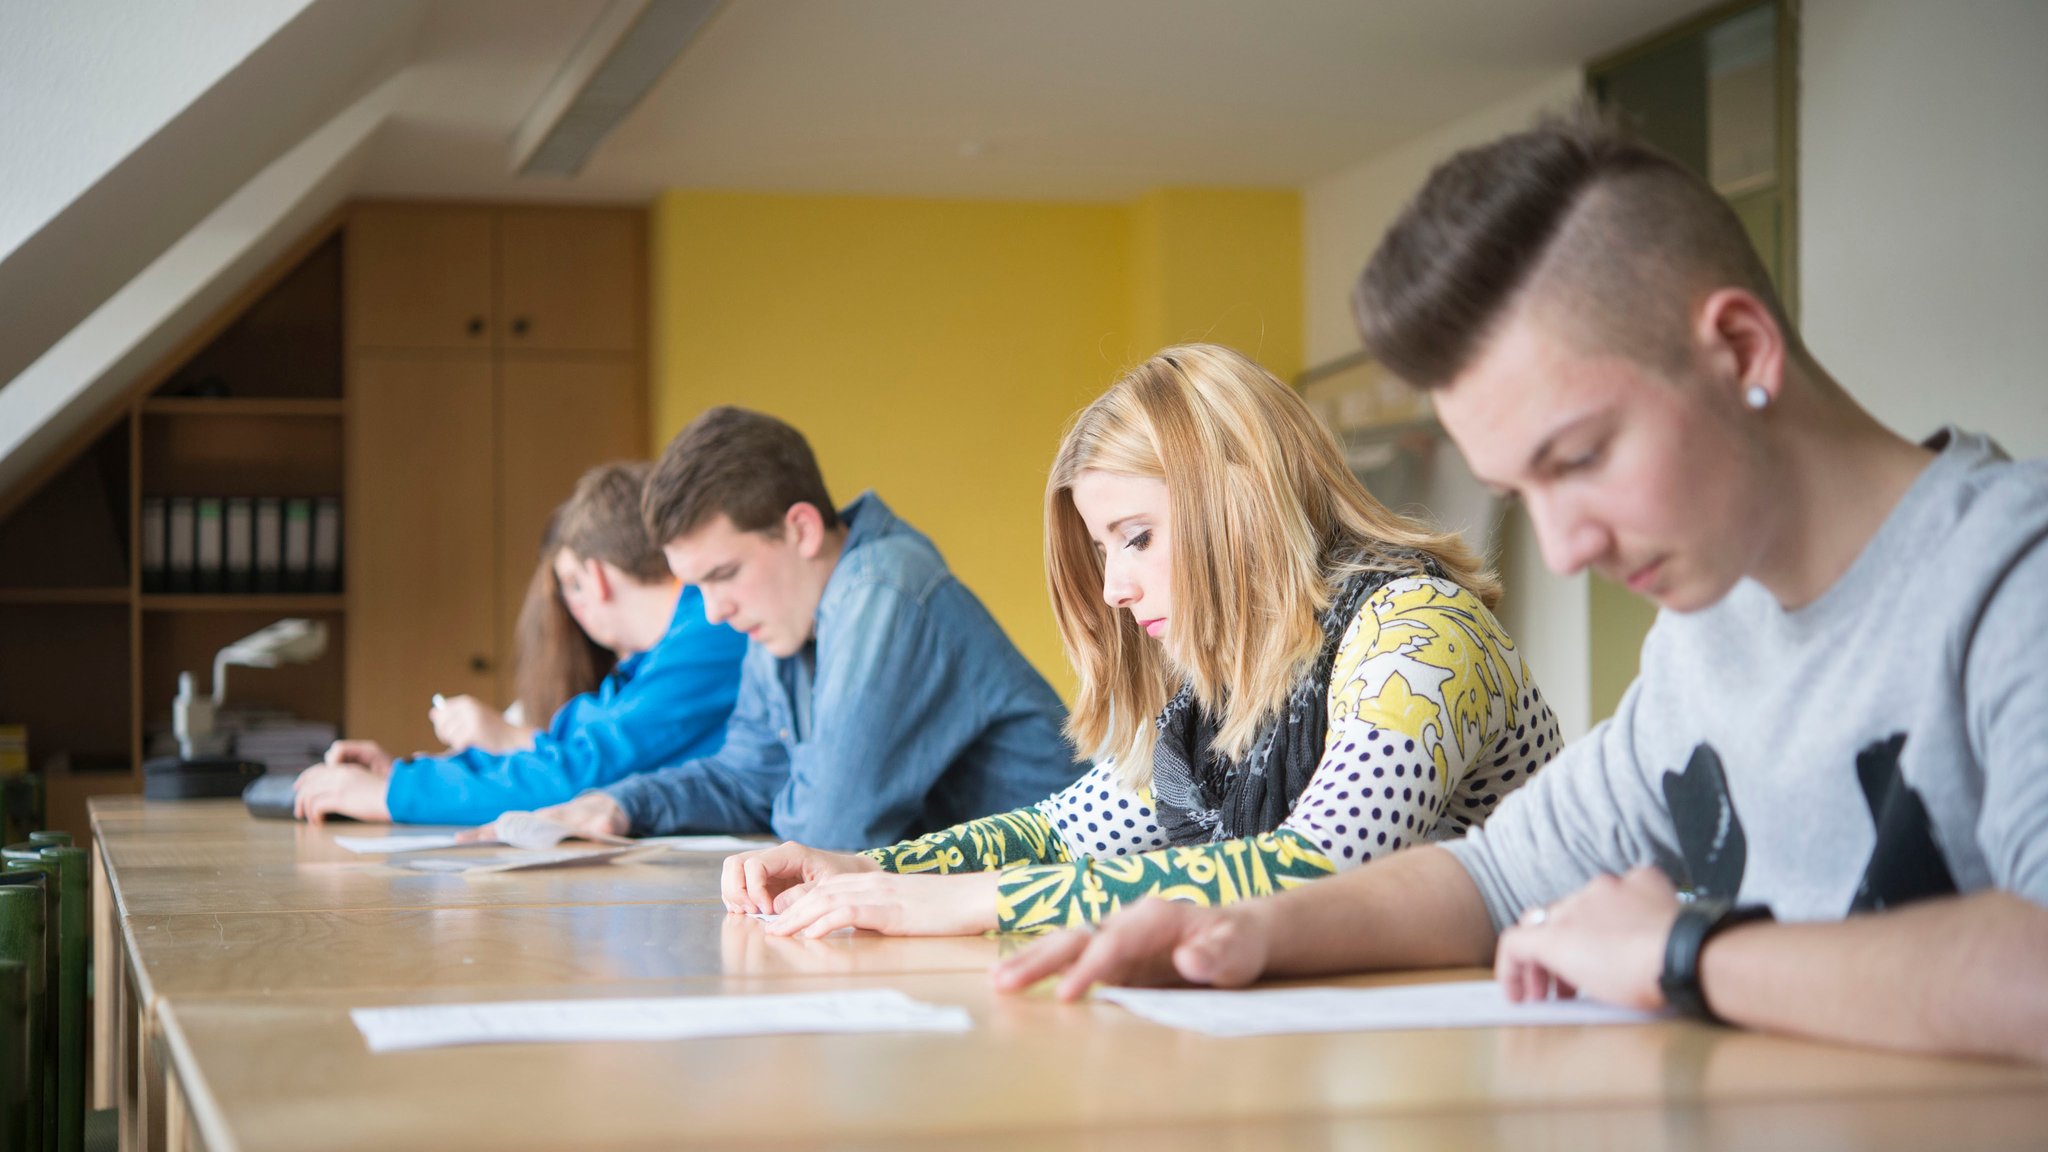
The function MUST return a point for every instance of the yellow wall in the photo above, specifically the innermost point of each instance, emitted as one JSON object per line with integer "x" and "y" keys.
{"x": 1207, "y": 266}
{"x": 932, "y": 350}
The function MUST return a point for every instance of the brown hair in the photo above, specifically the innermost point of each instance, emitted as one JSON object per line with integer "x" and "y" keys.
{"x": 1266, "y": 521}
{"x": 749, "y": 466}
{"x": 601, "y": 521}
{"x": 1577, "y": 212}
{"x": 556, "y": 661}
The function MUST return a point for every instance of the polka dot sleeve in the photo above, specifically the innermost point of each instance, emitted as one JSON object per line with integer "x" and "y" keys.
{"x": 1099, "y": 815}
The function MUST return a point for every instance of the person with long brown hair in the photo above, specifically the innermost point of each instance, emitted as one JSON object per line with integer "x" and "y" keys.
{"x": 667, "y": 700}
{"x": 1281, "y": 679}
{"x": 555, "y": 662}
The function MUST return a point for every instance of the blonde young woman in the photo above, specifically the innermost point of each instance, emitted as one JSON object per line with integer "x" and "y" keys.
{"x": 1282, "y": 678}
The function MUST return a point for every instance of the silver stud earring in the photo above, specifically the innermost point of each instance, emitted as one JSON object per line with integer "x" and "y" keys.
{"x": 1757, "y": 397}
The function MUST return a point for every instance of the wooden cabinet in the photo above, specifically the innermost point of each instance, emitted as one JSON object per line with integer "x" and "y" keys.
{"x": 568, "y": 279}
{"x": 419, "y": 276}
{"x": 556, "y": 418}
{"x": 422, "y": 543}
{"x": 442, "y": 277}
{"x": 461, "y": 447}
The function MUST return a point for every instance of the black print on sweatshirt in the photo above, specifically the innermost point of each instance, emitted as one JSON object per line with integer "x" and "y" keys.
{"x": 1709, "y": 831}
{"x": 1905, "y": 865}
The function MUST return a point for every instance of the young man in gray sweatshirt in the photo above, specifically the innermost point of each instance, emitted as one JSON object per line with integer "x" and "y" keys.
{"x": 1842, "y": 715}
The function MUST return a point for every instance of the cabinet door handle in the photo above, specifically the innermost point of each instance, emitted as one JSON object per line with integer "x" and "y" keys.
{"x": 521, "y": 326}
{"x": 479, "y": 664}
{"x": 476, "y": 325}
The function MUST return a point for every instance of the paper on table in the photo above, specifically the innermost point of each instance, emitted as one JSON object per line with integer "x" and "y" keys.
{"x": 663, "y": 1018}
{"x": 534, "y": 832}
{"x": 510, "y": 860}
{"x": 1274, "y": 1011}
{"x": 531, "y": 830}
{"x": 420, "y": 843}
{"x": 706, "y": 843}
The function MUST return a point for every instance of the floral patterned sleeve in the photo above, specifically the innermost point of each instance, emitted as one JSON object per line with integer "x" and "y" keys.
{"x": 1097, "y": 813}
{"x": 1428, "y": 699}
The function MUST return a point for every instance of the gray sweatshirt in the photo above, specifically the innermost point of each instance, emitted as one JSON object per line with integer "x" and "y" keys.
{"x": 1887, "y": 742}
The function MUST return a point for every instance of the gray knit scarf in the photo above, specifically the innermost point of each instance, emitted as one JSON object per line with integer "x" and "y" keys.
{"x": 1202, "y": 795}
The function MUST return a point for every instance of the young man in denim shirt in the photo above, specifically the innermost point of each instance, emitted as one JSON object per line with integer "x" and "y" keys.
{"x": 878, "y": 698}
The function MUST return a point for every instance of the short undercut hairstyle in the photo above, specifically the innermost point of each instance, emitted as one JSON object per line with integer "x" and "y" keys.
{"x": 1605, "y": 234}
{"x": 750, "y": 467}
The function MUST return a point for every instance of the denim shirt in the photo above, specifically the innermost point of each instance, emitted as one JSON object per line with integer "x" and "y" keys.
{"x": 655, "y": 708}
{"x": 908, "y": 711}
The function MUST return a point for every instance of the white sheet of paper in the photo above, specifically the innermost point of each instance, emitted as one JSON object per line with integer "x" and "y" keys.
{"x": 508, "y": 860}
{"x": 1276, "y": 1011}
{"x": 419, "y": 843}
{"x": 706, "y": 843}
{"x": 531, "y": 830}
{"x": 525, "y": 830}
{"x": 663, "y": 1018}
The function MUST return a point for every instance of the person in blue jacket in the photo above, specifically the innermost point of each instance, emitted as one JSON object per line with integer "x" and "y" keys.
{"x": 666, "y": 701}
{"x": 878, "y": 699}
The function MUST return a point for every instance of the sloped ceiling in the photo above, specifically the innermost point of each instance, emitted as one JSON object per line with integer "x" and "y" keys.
{"x": 312, "y": 102}
{"x": 1070, "y": 99}
{"x": 325, "y": 57}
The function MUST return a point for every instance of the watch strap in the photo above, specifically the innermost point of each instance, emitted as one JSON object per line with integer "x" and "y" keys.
{"x": 1697, "y": 923}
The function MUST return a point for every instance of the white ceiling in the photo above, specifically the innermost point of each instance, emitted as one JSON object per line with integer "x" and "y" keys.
{"x": 1080, "y": 99}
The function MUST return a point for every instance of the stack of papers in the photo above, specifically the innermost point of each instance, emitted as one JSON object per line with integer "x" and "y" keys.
{"x": 283, "y": 745}
{"x": 1278, "y": 1011}
{"x": 662, "y": 1018}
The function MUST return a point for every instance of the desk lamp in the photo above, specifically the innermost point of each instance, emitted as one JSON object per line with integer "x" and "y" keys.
{"x": 201, "y": 767}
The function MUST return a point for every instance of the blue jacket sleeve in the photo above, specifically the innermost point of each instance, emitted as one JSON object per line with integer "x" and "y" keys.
{"x": 673, "y": 707}
{"x": 728, "y": 792}
{"x": 893, "y": 710}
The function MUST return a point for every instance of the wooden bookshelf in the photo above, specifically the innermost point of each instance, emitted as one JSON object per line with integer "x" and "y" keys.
{"x": 48, "y": 596}
{"x": 446, "y": 370}
{"x": 91, "y": 662}
{"x": 241, "y": 406}
{"x": 283, "y": 604}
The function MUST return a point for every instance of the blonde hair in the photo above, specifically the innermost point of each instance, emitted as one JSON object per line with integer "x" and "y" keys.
{"x": 1267, "y": 520}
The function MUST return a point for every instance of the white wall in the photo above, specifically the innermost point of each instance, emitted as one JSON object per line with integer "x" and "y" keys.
{"x": 1923, "y": 230}
{"x": 1343, "y": 215}
{"x": 85, "y": 82}
{"x": 167, "y": 166}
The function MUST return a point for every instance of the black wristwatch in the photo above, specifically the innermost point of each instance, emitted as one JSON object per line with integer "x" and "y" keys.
{"x": 1697, "y": 923}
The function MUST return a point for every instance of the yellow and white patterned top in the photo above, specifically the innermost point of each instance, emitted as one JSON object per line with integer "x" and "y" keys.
{"x": 1432, "y": 718}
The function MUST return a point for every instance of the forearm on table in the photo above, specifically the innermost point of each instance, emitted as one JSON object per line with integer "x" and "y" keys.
{"x": 1007, "y": 839}
{"x": 1414, "y": 909}
{"x": 1959, "y": 976}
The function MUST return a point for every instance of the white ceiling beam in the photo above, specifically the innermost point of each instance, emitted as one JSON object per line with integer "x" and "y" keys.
{"x": 628, "y": 47}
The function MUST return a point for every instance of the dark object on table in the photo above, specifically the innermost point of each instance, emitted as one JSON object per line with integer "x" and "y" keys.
{"x": 270, "y": 796}
{"x": 204, "y": 778}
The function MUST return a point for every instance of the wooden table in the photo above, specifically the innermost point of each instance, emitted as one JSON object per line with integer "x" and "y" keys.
{"x": 240, "y": 987}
